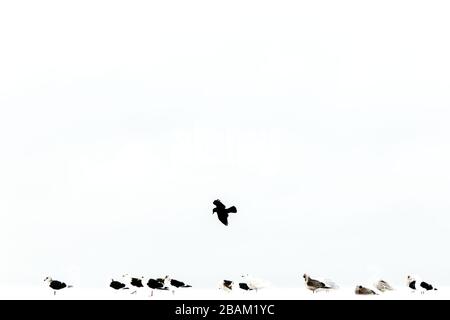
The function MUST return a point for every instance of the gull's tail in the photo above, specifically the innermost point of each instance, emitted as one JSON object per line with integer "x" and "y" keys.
{"x": 331, "y": 284}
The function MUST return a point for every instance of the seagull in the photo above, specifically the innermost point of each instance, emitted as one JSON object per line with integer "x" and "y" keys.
{"x": 157, "y": 284}
{"x": 314, "y": 285}
{"x": 227, "y": 285}
{"x": 222, "y": 211}
{"x": 116, "y": 285}
{"x": 56, "y": 285}
{"x": 412, "y": 284}
{"x": 135, "y": 282}
{"x": 244, "y": 286}
{"x": 175, "y": 283}
{"x": 364, "y": 291}
{"x": 427, "y": 286}
{"x": 254, "y": 283}
{"x": 383, "y": 286}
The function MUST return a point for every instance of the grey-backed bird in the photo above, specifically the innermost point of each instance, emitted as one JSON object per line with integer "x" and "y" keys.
{"x": 315, "y": 285}
{"x": 364, "y": 291}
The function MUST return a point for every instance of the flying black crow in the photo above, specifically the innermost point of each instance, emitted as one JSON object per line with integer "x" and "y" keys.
{"x": 222, "y": 211}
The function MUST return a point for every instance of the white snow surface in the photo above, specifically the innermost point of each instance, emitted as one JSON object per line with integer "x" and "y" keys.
{"x": 300, "y": 293}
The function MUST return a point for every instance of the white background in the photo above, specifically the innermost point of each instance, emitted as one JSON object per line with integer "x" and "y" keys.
{"x": 325, "y": 122}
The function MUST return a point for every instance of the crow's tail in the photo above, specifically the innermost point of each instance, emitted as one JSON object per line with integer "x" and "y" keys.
{"x": 232, "y": 209}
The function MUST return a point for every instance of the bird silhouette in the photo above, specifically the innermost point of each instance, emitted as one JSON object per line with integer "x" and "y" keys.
{"x": 173, "y": 283}
{"x": 134, "y": 282}
{"x": 56, "y": 285}
{"x": 117, "y": 285}
{"x": 156, "y": 284}
{"x": 222, "y": 211}
{"x": 179, "y": 284}
{"x": 245, "y": 286}
{"x": 226, "y": 285}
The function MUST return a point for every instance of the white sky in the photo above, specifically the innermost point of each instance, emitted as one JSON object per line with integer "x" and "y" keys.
{"x": 325, "y": 122}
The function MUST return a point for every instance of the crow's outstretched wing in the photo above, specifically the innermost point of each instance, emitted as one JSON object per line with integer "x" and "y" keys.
{"x": 232, "y": 209}
{"x": 223, "y": 217}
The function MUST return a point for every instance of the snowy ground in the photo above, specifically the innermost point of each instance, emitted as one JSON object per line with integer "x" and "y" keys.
{"x": 214, "y": 294}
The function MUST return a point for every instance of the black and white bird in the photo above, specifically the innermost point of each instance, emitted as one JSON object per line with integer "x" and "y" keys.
{"x": 175, "y": 284}
{"x": 364, "y": 291}
{"x": 226, "y": 285}
{"x": 244, "y": 286}
{"x": 117, "y": 285}
{"x": 254, "y": 283}
{"x": 136, "y": 283}
{"x": 56, "y": 285}
{"x": 419, "y": 285}
{"x": 383, "y": 286}
{"x": 156, "y": 284}
{"x": 222, "y": 211}
{"x": 315, "y": 285}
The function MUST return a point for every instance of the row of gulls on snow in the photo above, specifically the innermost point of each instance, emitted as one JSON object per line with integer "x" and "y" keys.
{"x": 246, "y": 283}
{"x": 165, "y": 283}
{"x": 382, "y": 286}
{"x": 128, "y": 283}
